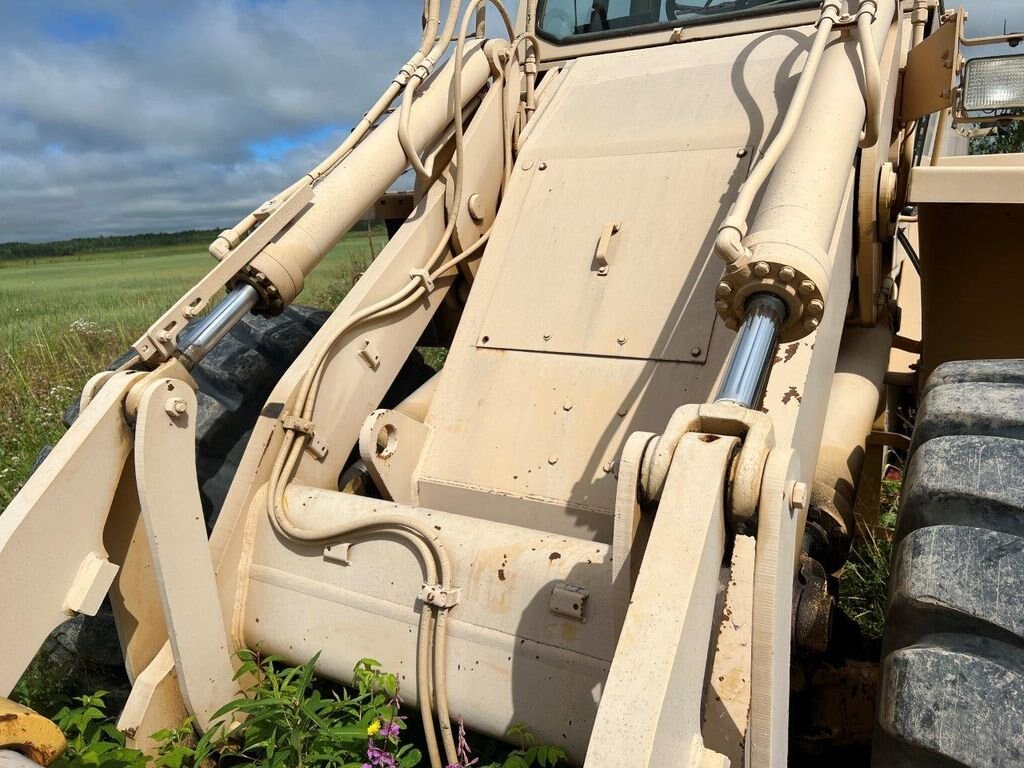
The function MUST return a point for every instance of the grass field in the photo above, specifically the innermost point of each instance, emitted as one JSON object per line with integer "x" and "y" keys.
{"x": 63, "y": 319}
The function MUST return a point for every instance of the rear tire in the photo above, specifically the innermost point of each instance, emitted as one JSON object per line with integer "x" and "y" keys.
{"x": 952, "y": 678}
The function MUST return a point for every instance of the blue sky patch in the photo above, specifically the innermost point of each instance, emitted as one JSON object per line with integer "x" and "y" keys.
{"x": 71, "y": 26}
{"x": 276, "y": 147}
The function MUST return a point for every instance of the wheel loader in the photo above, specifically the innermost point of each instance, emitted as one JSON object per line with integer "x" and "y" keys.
{"x": 693, "y": 265}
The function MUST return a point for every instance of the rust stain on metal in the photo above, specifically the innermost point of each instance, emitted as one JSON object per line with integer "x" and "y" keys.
{"x": 791, "y": 350}
{"x": 791, "y": 394}
{"x": 554, "y": 556}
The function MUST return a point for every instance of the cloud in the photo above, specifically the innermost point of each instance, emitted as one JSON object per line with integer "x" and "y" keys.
{"x": 120, "y": 116}
{"x": 116, "y": 117}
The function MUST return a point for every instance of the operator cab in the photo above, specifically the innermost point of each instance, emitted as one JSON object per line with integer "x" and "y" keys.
{"x": 572, "y": 20}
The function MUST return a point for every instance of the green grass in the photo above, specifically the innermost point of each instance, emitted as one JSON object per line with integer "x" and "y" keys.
{"x": 864, "y": 581}
{"x": 63, "y": 319}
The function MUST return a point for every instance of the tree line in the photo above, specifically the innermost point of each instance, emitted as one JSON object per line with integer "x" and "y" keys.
{"x": 79, "y": 245}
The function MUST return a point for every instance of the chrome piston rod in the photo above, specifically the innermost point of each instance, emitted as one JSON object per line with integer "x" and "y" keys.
{"x": 753, "y": 352}
{"x": 200, "y": 336}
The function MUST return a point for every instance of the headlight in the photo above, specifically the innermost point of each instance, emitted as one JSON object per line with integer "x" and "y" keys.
{"x": 994, "y": 83}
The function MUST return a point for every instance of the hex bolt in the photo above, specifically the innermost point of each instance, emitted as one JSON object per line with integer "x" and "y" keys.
{"x": 542, "y": 166}
{"x": 175, "y": 406}
{"x": 741, "y": 153}
{"x": 547, "y": 337}
{"x": 622, "y": 340}
{"x": 815, "y": 306}
{"x": 608, "y": 467}
{"x": 164, "y": 336}
{"x": 761, "y": 269}
{"x": 806, "y": 287}
{"x": 552, "y": 459}
{"x": 786, "y": 274}
{"x": 696, "y": 352}
{"x": 811, "y": 324}
{"x": 723, "y": 289}
{"x": 567, "y": 405}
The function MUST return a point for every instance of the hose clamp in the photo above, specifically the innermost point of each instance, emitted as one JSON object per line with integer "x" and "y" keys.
{"x": 304, "y": 427}
{"x": 439, "y": 596}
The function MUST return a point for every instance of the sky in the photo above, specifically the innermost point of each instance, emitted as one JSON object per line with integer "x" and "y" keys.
{"x": 124, "y": 116}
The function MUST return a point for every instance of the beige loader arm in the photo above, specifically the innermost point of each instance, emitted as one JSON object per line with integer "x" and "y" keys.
{"x": 56, "y": 537}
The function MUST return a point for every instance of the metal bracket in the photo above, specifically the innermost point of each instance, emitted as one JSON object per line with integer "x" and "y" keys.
{"x": 603, "y": 247}
{"x": 754, "y": 428}
{"x": 314, "y": 445}
{"x": 424, "y": 277}
{"x": 438, "y": 596}
{"x": 370, "y": 355}
{"x": 569, "y": 600}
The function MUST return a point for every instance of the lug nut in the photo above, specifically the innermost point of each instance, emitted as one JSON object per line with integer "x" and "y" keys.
{"x": 761, "y": 269}
{"x": 811, "y": 324}
{"x": 806, "y": 287}
{"x": 815, "y": 306}
{"x": 724, "y": 289}
{"x": 786, "y": 274}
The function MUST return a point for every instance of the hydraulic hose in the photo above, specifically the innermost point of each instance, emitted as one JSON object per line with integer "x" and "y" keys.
{"x": 866, "y": 15}
{"x": 729, "y": 244}
{"x": 431, "y": 551}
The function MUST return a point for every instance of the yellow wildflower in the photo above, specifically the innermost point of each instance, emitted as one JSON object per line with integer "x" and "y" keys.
{"x": 373, "y": 727}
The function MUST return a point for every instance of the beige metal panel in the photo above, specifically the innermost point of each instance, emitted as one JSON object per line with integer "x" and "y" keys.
{"x": 930, "y": 75}
{"x": 511, "y": 444}
{"x": 505, "y": 642}
{"x": 702, "y": 95}
{"x": 67, "y": 497}
{"x": 970, "y": 258}
{"x": 652, "y": 701}
{"x": 973, "y": 179}
{"x": 642, "y": 292}
{"x": 505, "y": 446}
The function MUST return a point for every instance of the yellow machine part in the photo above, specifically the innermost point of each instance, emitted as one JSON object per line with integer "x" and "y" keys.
{"x": 30, "y": 733}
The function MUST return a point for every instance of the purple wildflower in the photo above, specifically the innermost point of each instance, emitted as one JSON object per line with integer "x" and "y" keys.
{"x": 378, "y": 757}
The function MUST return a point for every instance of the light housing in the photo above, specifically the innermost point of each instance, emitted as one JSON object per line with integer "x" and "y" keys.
{"x": 993, "y": 83}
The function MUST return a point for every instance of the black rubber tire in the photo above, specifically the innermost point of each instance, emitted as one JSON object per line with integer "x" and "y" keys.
{"x": 952, "y": 677}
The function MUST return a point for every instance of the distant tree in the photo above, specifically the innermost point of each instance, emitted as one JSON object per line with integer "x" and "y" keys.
{"x": 1006, "y": 138}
